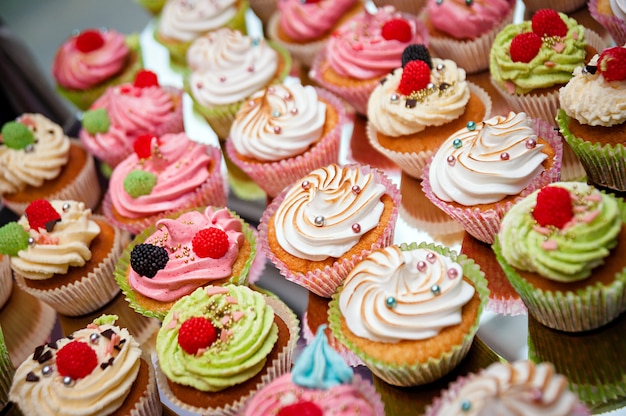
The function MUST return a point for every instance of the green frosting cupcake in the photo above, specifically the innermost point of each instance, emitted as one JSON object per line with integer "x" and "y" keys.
{"x": 6, "y": 372}
{"x": 244, "y": 334}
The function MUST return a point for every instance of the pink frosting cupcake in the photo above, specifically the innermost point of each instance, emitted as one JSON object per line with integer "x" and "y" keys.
{"x": 126, "y": 111}
{"x": 89, "y": 62}
{"x": 611, "y": 14}
{"x": 364, "y": 49}
{"x": 165, "y": 175}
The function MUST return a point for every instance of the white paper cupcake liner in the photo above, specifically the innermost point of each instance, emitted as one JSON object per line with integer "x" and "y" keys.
{"x": 6, "y": 279}
{"x": 613, "y": 24}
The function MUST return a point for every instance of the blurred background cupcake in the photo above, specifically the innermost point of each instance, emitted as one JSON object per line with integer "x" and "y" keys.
{"x": 406, "y": 6}
{"x": 611, "y": 14}
{"x": 6, "y": 372}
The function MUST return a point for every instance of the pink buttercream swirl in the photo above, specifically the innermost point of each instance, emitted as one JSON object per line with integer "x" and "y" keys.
{"x": 185, "y": 270}
{"x": 358, "y": 49}
{"x": 463, "y": 21}
{"x": 78, "y": 70}
{"x": 181, "y": 167}
{"x": 303, "y": 21}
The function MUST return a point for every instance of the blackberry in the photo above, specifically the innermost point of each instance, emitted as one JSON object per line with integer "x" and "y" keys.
{"x": 147, "y": 259}
{"x": 415, "y": 52}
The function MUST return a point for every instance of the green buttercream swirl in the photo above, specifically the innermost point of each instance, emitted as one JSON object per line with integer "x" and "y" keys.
{"x": 580, "y": 246}
{"x": 225, "y": 363}
{"x": 535, "y": 74}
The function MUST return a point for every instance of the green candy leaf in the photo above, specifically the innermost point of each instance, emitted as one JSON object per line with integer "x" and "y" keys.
{"x": 96, "y": 121}
{"x": 13, "y": 238}
{"x": 16, "y": 135}
{"x": 106, "y": 319}
{"x": 139, "y": 182}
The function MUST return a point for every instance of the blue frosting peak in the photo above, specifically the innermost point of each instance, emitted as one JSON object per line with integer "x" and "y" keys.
{"x": 319, "y": 366}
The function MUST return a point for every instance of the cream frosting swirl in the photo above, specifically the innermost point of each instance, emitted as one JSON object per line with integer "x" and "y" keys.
{"x": 236, "y": 66}
{"x": 305, "y": 21}
{"x": 396, "y": 294}
{"x": 67, "y": 245}
{"x": 357, "y": 49}
{"x": 500, "y": 157}
{"x": 279, "y": 122}
{"x": 34, "y": 165}
{"x": 78, "y": 70}
{"x": 390, "y": 112}
{"x": 568, "y": 254}
{"x": 463, "y": 20}
{"x": 326, "y": 213}
{"x": 181, "y": 166}
{"x": 185, "y": 20}
{"x": 592, "y": 100}
{"x": 185, "y": 271}
{"x": 246, "y": 335}
{"x": 519, "y": 388}
{"x": 100, "y": 393}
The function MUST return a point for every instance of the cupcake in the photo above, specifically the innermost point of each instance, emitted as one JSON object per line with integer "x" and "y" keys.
{"x": 263, "y": 9}
{"x": 303, "y": 27}
{"x": 284, "y": 132}
{"x": 165, "y": 175}
{"x": 319, "y": 383}
{"x": 562, "y": 249}
{"x": 317, "y": 229}
{"x": 97, "y": 370}
{"x": 479, "y": 172}
{"x": 6, "y": 372}
{"x": 87, "y": 63}
{"x": 38, "y": 161}
{"x": 153, "y": 7}
{"x": 363, "y": 50}
{"x": 181, "y": 22}
{"x": 410, "y": 312}
{"x": 64, "y": 255}
{"x": 416, "y": 107}
{"x": 531, "y": 60}
{"x": 463, "y": 31}
{"x": 6, "y": 279}
{"x": 592, "y": 117}
{"x": 127, "y": 111}
{"x": 405, "y": 6}
{"x": 564, "y": 6}
{"x": 520, "y": 387}
{"x": 611, "y": 14}
{"x": 177, "y": 255}
{"x": 219, "y": 345}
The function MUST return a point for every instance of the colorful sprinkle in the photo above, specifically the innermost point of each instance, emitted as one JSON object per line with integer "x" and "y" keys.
{"x": 457, "y": 143}
{"x": 391, "y": 302}
{"x": 531, "y": 143}
{"x": 356, "y": 228}
{"x": 471, "y": 126}
{"x": 435, "y": 290}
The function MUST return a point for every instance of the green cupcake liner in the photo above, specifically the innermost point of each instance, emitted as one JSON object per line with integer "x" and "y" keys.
{"x": 604, "y": 164}
{"x": 84, "y": 98}
{"x": 583, "y": 310}
{"x": 436, "y": 367}
{"x": 6, "y": 372}
{"x": 123, "y": 264}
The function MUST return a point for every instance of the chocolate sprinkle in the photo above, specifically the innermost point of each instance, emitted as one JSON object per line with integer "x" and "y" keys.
{"x": 117, "y": 348}
{"x": 411, "y": 103}
{"x": 38, "y": 352}
{"x": 382, "y": 81}
{"x": 45, "y": 357}
{"x": 108, "y": 333}
{"x": 53, "y": 345}
{"x": 107, "y": 363}
{"x": 50, "y": 225}
{"x": 31, "y": 377}
{"x": 122, "y": 341}
{"x": 444, "y": 86}
{"x": 591, "y": 69}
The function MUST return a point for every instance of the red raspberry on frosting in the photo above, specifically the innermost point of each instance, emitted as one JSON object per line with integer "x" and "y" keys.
{"x": 195, "y": 334}
{"x": 415, "y": 77}
{"x": 210, "y": 242}
{"x": 612, "y": 64}
{"x": 302, "y": 408}
{"x": 76, "y": 360}
{"x": 143, "y": 145}
{"x": 554, "y": 207}
{"x": 398, "y": 29}
{"x": 146, "y": 78}
{"x": 524, "y": 47}
{"x": 41, "y": 214}
{"x": 547, "y": 22}
{"x": 89, "y": 40}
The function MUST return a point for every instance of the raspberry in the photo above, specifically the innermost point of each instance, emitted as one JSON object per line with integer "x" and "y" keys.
{"x": 143, "y": 145}
{"x": 210, "y": 242}
{"x": 554, "y": 207}
{"x": 13, "y": 238}
{"x": 524, "y": 47}
{"x": 612, "y": 64}
{"x": 76, "y": 360}
{"x": 302, "y": 408}
{"x": 16, "y": 135}
{"x": 41, "y": 214}
{"x": 415, "y": 77}
{"x": 96, "y": 121}
{"x": 89, "y": 40}
{"x": 146, "y": 78}
{"x": 196, "y": 333}
{"x": 547, "y": 22}
{"x": 398, "y": 29}
{"x": 139, "y": 182}
{"x": 147, "y": 259}
{"x": 416, "y": 52}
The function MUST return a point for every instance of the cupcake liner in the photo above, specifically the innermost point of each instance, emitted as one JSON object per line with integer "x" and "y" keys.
{"x": 149, "y": 404}
{"x": 6, "y": 372}
{"x": 221, "y": 117}
{"x": 85, "y": 187}
{"x": 324, "y": 282}
{"x": 92, "y": 291}
{"x": 258, "y": 262}
{"x": 571, "y": 168}
{"x": 6, "y": 279}
{"x": 210, "y": 192}
{"x": 123, "y": 264}
{"x": 413, "y": 163}
{"x": 470, "y": 54}
{"x": 281, "y": 365}
{"x": 84, "y": 98}
{"x": 302, "y": 52}
{"x": 587, "y": 309}
{"x": 604, "y": 164}
{"x": 273, "y": 177}
{"x": 407, "y": 6}
{"x": 348, "y": 356}
{"x": 564, "y": 6}
{"x": 484, "y": 224}
{"x": 613, "y": 24}
{"x": 436, "y": 367}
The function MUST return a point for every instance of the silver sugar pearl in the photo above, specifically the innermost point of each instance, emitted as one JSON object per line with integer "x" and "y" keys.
{"x": 440, "y": 67}
{"x": 68, "y": 381}
{"x": 430, "y": 86}
{"x": 66, "y": 207}
{"x": 319, "y": 220}
{"x": 29, "y": 148}
{"x": 46, "y": 370}
{"x": 394, "y": 97}
{"x": 31, "y": 241}
{"x": 93, "y": 338}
